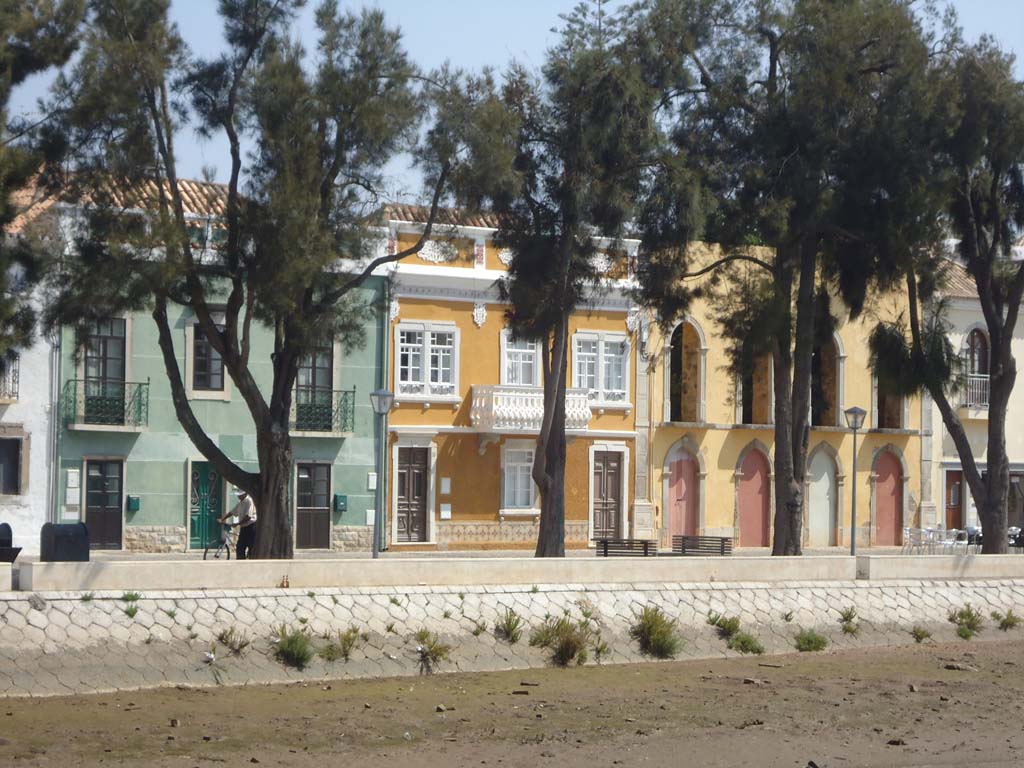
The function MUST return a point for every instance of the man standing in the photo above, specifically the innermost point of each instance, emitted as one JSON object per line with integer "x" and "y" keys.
{"x": 245, "y": 513}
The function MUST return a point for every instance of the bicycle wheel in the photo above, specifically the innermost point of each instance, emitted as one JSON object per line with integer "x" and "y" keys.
{"x": 206, "y": 552}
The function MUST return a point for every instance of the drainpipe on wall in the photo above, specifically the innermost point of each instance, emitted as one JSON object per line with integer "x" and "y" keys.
{"x": 382, "y": 382}
{"x": 53, "y": 477}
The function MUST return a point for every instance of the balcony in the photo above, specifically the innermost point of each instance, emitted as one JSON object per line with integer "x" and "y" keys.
{"x": 513, "y": 409}
{"x": 974, "y": 396}
{"x": 323, "y": 412}
{"x": 9, "y": 380}
{"x": 102, "y": 405}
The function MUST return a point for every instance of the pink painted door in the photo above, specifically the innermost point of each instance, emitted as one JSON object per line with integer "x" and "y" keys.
{"x": 888, "y": 500}
{"x": 754, "y": 500}
{"x": 683, "y": 517}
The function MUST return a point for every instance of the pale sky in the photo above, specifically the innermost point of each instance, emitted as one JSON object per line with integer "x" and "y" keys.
{"x": 470, "y": 34}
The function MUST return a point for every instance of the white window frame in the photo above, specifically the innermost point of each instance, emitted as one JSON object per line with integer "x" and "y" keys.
{"x": 534, "y": 509}
{"x": 506, "y": 341}
{"x": 426, "y": 394}
{"x": 598, "y": 396}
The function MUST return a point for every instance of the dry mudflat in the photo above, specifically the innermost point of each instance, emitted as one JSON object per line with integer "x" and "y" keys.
{"x": 927, "y": 705}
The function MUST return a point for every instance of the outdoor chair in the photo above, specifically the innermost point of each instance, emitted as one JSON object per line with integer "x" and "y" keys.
{"x": 915, "y": 541}
{"x": 905, "y": 549}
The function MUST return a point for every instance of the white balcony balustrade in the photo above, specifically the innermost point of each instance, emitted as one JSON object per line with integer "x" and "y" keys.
{"x": 509, "y": 408}
{"x": 975, "y": 391}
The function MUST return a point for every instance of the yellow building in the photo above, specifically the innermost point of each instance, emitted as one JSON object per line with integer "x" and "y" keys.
{"x": 469, "y": 403}
{"x": 712, "y": 442}
{"x": 661, "y": 441}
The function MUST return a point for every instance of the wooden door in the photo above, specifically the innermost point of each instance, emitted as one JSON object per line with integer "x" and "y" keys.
{"x": 313, "y": 509}
{"x": 206, "y": 499}
{"x": 103, "y": 487}
{"x": 683, "y": 495}
{"x": 888, "y": 500}
{"x": 413, "y": 476}
{"x": 821, "y": 502}
{"x": 754, "y": 500}
{"x": 954, "y": 499}
{"x": 607, "y": 494}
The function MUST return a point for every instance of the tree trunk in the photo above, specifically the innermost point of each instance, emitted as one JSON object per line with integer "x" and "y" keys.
{"x": 274, "y": 538}
{"x": 993, "y": 512}
{"x": 551, "y": 536}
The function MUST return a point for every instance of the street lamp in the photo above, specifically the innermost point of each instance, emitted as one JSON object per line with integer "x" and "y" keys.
{"x": 381, "y": 400}
{"x": 854, "y": 420}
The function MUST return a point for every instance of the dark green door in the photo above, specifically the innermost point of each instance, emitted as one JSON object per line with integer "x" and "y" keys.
{"x": 205, "y": 500}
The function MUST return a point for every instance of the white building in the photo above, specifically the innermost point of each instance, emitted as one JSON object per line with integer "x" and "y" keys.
{"x": 26, "y": 443}
{"x": 954, "y": 507}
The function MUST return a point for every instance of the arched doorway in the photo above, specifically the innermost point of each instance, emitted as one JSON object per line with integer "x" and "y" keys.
{"x": 754, "y": 499}
{"x": 684, "y": 496}
{"x": 822, "y": 501}
{"x": 888, "y": 499}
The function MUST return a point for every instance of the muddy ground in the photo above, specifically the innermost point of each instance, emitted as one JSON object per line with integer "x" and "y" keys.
{"x": 927, "y": 705}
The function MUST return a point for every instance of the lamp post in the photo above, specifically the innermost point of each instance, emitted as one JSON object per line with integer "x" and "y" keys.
{"x": 854, "y": 420}
{"x": 381, "y": 400}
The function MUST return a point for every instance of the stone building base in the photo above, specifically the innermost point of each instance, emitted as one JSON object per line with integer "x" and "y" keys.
{"x": 155, "y": 538}
{"x": 508, "y": 534}
{"x": 351, "y": 538}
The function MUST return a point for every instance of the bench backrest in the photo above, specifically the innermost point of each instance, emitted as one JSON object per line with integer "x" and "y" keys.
{"x": 701, "y": 545}
{"x": 626, "y": 548}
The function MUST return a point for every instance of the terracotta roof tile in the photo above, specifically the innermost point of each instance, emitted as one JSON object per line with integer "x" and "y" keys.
{"x": 449, "y": 217}
{"x": 958, "y": 282}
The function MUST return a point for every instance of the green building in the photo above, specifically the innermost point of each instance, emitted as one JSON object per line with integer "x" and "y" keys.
{"x": 125, "y": 466}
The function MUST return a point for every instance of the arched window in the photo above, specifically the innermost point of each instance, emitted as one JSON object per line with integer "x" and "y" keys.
{"x": 685, "y": 379}
{"x": 825, "y": 385}
{"x": 977, "y": 353}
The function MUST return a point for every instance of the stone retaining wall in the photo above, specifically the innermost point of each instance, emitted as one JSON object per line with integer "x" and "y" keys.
{"x": 54, "y": 643}
{"x": 351, "y": 538}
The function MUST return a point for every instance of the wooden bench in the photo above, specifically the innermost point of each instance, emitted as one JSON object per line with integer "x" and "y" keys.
{"x": 626, "y": 548}
{"x": 702, "y": 546}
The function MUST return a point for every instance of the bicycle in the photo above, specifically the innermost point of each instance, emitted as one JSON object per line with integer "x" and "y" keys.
{"x": 224, "y": 543}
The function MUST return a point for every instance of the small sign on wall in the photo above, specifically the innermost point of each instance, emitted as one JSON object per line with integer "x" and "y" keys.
{"x": 446, "y": 486}
{"x": 369, "y": 516}
{"x": 446, "y": 511}
{"x": 371, "y": 481}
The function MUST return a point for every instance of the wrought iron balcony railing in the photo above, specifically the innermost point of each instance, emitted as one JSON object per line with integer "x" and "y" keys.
{"x": 974, "y": 393}
{"x": 507, "y": 408}
{"x": 9, "y": 380}
{"x": 102, "y": 403}
{"x": 324, "y": 411}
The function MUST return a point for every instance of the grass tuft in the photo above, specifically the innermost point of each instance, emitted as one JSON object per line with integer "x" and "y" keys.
{"x": 727, "y": 626}
{"x": 236, "y": 640}
{"x": 341, "y": 648}
{"x": 431, "y": 650}
{"x": 968, "y": 620}
{"x": 130, "y": 597}
{"x": 130, "y": 610}
{"x": 569, "y": 641}
{"x": 86, "y": 597}
{"x": 920, "y": 634}
{"x": 809, "y": 641}
{"x": 509, "y": 626}
{"x": 293, "y": 647}
{"x": 1006, "y": 621}
{"x": 655, "y": 633}
{"x": 744, "y": 642}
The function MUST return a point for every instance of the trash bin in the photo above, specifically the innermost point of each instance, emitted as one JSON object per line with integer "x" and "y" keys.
{"x": 64, "y": 543}
{"x": 8, "y": 552}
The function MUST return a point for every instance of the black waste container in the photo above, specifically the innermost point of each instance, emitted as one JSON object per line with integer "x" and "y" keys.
{"x": 8, "y": 552}
{"x": 64, "y": 543}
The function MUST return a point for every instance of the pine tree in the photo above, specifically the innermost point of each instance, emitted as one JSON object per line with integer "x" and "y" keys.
{"x": 561, "y": 168}
{"x": 36, "y": 35}
{"x": 766, "y": 108}
{"x": 309, "y": 137}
